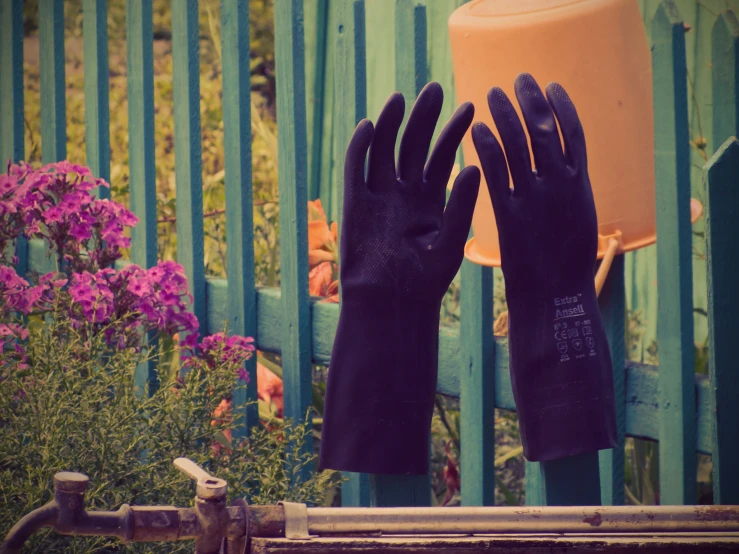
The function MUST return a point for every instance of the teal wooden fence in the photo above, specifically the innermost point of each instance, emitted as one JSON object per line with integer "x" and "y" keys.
{"x": 316, "y": 114}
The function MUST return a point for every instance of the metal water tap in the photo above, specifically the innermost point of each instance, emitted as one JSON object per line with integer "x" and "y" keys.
{"x": 210, "y": 523}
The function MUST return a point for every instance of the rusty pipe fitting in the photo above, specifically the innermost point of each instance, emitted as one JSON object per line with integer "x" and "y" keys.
{"x": 27, "y": 526}
{"x": 208, "y": 523}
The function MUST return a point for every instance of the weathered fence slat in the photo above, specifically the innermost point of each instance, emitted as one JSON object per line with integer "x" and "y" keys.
{"x": 410, "y": 72}
{"x": 97, "y": 108}
{"x": 350, "y": 106}
{"x": 11, "y": 98}
{"x": 477, "y": 386}
{"x": 242, "y": 308}
{"x": 320, "y": 56}
{"x": 141, "y": 149}
{"x": 188, "y": 150}
{"x": 725, "y": 76}
{"x": 53, "y": 88}
{"x": 674, "y": 259}
{"x": 293, "y": 188}
{"x": 722, "y": 244}
{"x": 613, "y": 310}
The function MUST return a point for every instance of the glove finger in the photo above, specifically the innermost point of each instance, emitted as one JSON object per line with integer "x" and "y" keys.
{"x": 455, "y": 226}
{"x": 514, "y": 140}
{"x": 381, "y": 173}
{"x": 440, "y": 164}
{"x": 540, "y": 123}
{"x": 356, "y": 154}
{"x": 493, "y": 163}
{"x": 569, "y": 123}
{"x": 414, "y": 145}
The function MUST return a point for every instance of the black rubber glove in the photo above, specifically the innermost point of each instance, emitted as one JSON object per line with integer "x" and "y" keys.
{"x": 400, "y": 250}
{"x": 559, "y": 358}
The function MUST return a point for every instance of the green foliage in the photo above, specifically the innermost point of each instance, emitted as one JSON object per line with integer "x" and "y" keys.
{"x": 75, "y": 412}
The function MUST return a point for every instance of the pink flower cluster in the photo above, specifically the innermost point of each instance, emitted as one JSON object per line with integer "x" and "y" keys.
{"x": 55, "y": 203}
{"x": 87, "y": 235}
{"x": 221, "y": 349}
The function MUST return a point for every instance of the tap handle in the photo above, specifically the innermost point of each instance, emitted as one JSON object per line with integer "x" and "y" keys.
{"x": 208, "y": 487}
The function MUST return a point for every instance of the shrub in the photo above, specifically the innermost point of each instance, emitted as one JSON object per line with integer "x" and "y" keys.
{"x": 73, "y": 388}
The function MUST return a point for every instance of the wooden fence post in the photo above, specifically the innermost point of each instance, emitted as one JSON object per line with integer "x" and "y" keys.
{"x": 188, "y": 151}
{"x": 477, "y": 386}
{"x": 141, "y": 151}
{"x": 350, "y": 97}
{"x": 96, "y": 76}
{"x": 293, "y": 187}
{"x": 11, "y": 99}
{"x": 613, "y": 310}
{"x": 53, "y": 87}
{"x": 722, "y": 245}
{"x": 242, "y": 299}
{"x": 674, "y": 260}
{"x": 410, "y": 77}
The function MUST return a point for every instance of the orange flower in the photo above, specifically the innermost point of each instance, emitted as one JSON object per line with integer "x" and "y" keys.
{"x": 270, "y": 388}
{"x": 322, "y": 238}
{"x": 222, "y": 414}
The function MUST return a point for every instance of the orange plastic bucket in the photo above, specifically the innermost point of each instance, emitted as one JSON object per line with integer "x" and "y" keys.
{"x": 597, "y": 50}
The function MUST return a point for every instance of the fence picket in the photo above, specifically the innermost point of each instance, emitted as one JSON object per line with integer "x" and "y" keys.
{"x": 141, "y": 148}
{"x": 477, "y": 386}
{"x": 293, "y": 188}
{"x": 350, "y": 106}
{"x": 722, "y": 207}
{"x": 11, "y": 98}
{"x": 242, "y": 314}
{"x": 97, "y": 108}
{"x": 188, "y": 150}
{"x": 613, "y": 310}
{"x": 410, "y": 76}
{"x": 674, "y": 259}
{"x": 725, "y": 76}
{"x": 53, "y": 87}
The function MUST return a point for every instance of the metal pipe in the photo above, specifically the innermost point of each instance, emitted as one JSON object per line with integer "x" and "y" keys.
{"x": 44, "y": 516}
{"x": 512, "y": 519}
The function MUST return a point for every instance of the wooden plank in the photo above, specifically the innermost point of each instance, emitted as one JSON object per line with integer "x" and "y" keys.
{"x": 242, "y": 314}
{"x": 97, "y": 108}
{"x": 477, "y": 386}
{"x": 295, "y": 325}
{"x": 11, "y": 98}
{"x": 356, "y": 491}
{"x": 53, "y": 88}
{"x": 410, "y": 70}
{"x": 613, "y": 311}
{"x": 316, "y": 48}
{"x": 571, "y": 481}
{"x": 390, "y": 491}
{"x": 141, "y": 150}
{"x": 188, "y": 151}
{"x": 350, "y": 94}
{"x": 725, "y": 77}
{"x": 410, "y": 54}
{"x": 674, "y": 259}
{"x": 349, "y": 108}
{"x": 139, "y": 39}
{"x": 11, "y": 86}
{"x": 534, "y": 490}
{"x": 722, "y": 244}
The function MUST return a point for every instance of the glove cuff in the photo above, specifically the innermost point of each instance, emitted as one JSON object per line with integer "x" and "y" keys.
{"x": 561, "y": 375}
{"x": 381, "y": 385}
